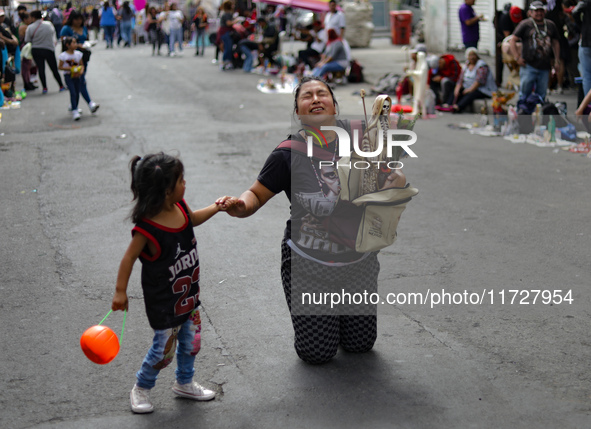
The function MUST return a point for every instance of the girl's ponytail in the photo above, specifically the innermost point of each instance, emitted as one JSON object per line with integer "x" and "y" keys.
{"x": 133, "y": 166}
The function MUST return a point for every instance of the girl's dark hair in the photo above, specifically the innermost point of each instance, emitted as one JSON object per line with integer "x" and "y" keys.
{"x": 74, "y": 15}
{"x": 67, "y": 41}
{"x": 307, "y": 79}
{"x": 151, "y": 177}
{"x": 126, "y": 7}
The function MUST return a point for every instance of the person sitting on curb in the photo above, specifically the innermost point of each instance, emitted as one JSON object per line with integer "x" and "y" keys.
{"x": 475, "y": 82}
{"x": 443, "y": 79}
{"x": 334, "y": 57}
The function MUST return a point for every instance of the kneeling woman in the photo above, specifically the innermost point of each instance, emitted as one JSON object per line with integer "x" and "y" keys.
{"x": 475, "y": 82}
{"x": 313, "y": 261}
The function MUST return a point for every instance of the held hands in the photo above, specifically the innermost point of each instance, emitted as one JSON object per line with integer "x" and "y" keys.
{"x": 120, "y": 301}
{"x": 232, "y": 205}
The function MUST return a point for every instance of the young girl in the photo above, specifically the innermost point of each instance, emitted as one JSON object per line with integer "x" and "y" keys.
{"x": 70, "y": 61}
{"x": 164, "y": 241}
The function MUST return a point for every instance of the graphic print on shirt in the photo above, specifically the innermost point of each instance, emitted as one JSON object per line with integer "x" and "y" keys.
{"x": 313, "y": 233}
{"x": 182, "y": 285}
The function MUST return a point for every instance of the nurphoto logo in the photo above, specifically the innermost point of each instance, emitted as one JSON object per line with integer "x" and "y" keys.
{"x": 410, "y": 138}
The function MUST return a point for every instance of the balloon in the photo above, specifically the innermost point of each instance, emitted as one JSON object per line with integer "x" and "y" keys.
{"x": 99, "y": 344}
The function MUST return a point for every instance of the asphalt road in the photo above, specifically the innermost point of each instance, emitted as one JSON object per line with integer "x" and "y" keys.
{"x": 491, "y": 217}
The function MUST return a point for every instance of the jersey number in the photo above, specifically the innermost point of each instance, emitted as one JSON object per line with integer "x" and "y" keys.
{"x": 183, "y": 285}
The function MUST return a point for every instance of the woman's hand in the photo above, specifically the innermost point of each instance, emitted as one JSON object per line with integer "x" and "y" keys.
{"x": 396, "y": 179}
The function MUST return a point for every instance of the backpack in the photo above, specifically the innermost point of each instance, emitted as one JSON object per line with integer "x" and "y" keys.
{"x": 356, "y": 73}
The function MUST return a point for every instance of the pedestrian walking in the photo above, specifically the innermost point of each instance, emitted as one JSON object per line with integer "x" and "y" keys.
{"x": 41, "y": 34}
{"x": 200, "y": 24}
{"x": 108, "y": 23}
{"x": 163, "y": 240}
{"x": 72, "y": 63}
{"x": 125, "y": 17}
{"x": 175, "y": 19}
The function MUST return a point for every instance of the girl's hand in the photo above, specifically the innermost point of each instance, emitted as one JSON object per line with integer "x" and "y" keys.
{"x": 120, "y": 301}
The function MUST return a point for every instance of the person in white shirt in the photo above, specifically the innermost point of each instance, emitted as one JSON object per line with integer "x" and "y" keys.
{"x": 335, "y": 19}
{"x": 175, "y": 18}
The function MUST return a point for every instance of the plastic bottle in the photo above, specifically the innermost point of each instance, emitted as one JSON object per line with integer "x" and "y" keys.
{"x": 537, "y": 119}
{"x": 552, "y": 129}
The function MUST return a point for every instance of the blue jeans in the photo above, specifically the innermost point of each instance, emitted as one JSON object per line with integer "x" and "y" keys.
{"x": 332, "y": 66}
{"x": 125, "y": 28}
{"x": 160, "y": 355}
{"x": 200, "y": 36}
{"x": 247, "y": 66}
{"x": 532, "y": 78}
{"x": 228, "y": 44}
{"x": 77, "y": 87}
{"x": 109, "y": 31}
{"x": 585, "y": 62}
{"x": 176, "y": 36}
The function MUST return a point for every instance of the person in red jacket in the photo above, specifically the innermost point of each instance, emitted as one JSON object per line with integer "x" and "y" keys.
{"x": 443, "y": 79}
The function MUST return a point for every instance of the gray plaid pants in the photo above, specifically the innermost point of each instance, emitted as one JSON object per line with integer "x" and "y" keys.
{"x": 319, "y": 330}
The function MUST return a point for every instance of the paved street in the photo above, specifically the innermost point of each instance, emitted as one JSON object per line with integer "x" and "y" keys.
{"x": 491, "y": 217}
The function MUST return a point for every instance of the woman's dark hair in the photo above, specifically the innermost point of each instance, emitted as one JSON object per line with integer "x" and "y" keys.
{"x": 25, "y": 15}
{"x": 126, "y": 7}
{"x": 151, "y": 177}
{"x": 307, "y": 79}
{"x": 36, "y": 14}
{"x": 74, "y": 15}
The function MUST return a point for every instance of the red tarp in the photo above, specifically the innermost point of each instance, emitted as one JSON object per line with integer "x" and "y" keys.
{"x": 314, "y": 5}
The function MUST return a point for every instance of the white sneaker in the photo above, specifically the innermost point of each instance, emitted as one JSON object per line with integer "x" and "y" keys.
{"x": 140, "y": 400}
{"x": 193, "y": 391}
{"x": 76, "y": 115}
{"x": 93, "y": 106}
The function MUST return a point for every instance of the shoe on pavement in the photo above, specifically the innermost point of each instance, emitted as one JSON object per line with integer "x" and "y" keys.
{"x": 44, "y": 91}
{"x": 140, "y": 400}
{"x": 62, "y": 88}
{"x": 93, "y": 106}
{"x": 76, "y": 115}
{"x": 193, "y": 391}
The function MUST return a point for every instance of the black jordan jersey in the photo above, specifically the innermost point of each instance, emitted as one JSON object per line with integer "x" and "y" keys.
{"x": 170, "y": 278}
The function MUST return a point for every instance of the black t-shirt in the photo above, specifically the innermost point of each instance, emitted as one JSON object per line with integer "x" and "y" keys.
{"x": 505, "y": 24}
{"x": 537, "y": 42}
{"x": 226, "y": 16}
{"x": 313, "y": 192}
{"x": 4, "y": 29}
